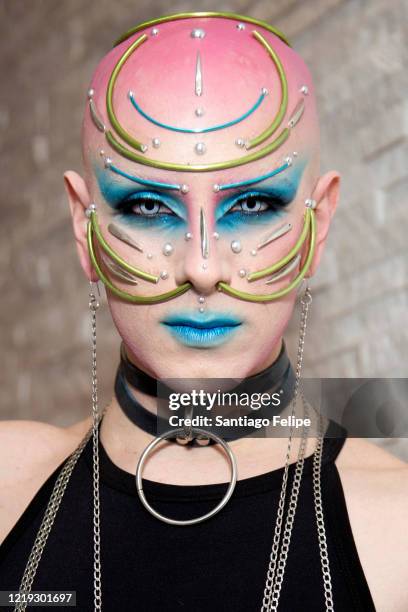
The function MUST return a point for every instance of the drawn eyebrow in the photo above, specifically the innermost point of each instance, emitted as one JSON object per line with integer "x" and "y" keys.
{"x": 146, "y": 182}
{"x": 252, "y": 181}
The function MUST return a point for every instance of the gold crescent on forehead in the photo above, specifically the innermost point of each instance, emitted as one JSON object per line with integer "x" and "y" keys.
{"x": 135, "y": 150}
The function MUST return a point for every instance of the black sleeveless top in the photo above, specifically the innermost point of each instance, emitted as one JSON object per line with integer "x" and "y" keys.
{"x": 218, "y": 565}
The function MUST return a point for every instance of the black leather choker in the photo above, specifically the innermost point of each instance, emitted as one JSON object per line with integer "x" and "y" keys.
{"x": 278, "y": 377}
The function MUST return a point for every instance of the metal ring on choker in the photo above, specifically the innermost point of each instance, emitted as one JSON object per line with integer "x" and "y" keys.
{"x": 171, "y": 434}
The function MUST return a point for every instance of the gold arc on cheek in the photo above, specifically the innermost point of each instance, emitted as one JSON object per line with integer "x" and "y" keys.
{"x": 93, "y": 229}
{"x": 310, "y": 221}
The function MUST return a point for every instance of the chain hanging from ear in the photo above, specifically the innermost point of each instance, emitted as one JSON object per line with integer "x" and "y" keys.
{"x": 93, "y": 306}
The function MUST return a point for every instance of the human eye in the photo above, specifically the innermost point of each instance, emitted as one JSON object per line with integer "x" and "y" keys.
{"x": 255, "y": 203}
{"x": 251, "y": 207}
{"x": 147, "y": 207}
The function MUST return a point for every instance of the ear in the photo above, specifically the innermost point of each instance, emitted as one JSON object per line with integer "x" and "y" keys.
{"x": 79, "y": 199}
{"x": 326, "y": 194}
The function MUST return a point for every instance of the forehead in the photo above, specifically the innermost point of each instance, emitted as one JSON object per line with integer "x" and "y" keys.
{"x": 193, "y": 92}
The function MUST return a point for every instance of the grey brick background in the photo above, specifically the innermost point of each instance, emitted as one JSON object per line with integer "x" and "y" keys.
{"x": 358, "y": 55}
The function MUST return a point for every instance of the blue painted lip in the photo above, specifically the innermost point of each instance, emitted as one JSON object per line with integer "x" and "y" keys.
{"x": 202, "y": 331}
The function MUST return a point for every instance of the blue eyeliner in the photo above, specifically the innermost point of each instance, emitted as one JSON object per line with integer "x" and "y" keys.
{"x": 252, "y": 181}
{"x": 141, "y": 181}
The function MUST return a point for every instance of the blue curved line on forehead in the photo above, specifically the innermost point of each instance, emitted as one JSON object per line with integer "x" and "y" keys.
{"x": 214, "y": 128}
{"x": 293, "y": 175}
{"x": 115, "y": 191}
{"x": 145, "y": 182}
{"x": 256, "y": 179}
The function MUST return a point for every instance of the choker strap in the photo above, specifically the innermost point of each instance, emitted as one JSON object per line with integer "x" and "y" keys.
{"x": 278, "y": 376}
{"x": 263, "y": 381}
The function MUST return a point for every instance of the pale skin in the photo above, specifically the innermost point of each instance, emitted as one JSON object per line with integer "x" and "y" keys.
{"x": 375, "y": 482}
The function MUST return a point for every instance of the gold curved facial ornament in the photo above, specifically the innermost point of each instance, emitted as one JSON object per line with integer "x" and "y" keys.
{"x": 309, "y": 222}
{"x": 139, "y": 146}
{"x": 308, "y": 231}
{"x": 93, "y": 229}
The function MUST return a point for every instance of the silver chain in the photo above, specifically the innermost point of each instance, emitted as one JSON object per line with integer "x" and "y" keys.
{"x": 94, "y": 305}
{"x": 279, "y": 552}
{"x": 277, "y": 562}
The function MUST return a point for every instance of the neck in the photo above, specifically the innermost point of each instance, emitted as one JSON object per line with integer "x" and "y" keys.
{"x": 172, "y": 463}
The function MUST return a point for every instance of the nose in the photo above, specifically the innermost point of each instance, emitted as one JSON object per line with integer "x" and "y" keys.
{"x": 202, "y": 263}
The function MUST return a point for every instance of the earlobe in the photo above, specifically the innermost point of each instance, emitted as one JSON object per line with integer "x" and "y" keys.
{"x": 79, "y": 199}
{"x": 326, "y": 194}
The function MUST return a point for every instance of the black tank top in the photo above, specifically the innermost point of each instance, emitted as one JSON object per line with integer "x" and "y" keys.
{"x": 219, "y": 565}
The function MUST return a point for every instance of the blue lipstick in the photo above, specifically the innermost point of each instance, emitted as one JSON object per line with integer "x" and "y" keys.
{"x": 208, "y": 330}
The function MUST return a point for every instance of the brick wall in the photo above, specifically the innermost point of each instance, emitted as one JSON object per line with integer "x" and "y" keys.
{"x": 359, "y": 317}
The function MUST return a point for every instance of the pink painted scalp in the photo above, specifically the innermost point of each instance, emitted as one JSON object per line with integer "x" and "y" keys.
{"x": 235, "y": 69}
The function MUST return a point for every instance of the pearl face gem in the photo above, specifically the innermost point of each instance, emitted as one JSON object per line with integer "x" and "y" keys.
{"x": 91, "y": 208}
{"x": 204, "y": 266}
{"x": 253, "y": 252}
{"x": 197, "y": 33}
{"x": 188, "y": 236}
{"x": 199, "y": 112}
{"x": 201, "y": 299}
{"x": 156, "y": 143}
{"x": 288, "y": 160}
{"x": 216, "y": 188}
{"x": 242, "y": 273}
{"x": 240, "y": 27}
{"x": 310, "y": 203}
{"x": 201, "y": 309}
{"x": 184, "y": 188}
{"x": 304, "y": 90}
{"x": 216, "y": 235}
{"x": 168, "y": 249}
{"x": 240, "y": 142}
{"x": 164, "y": 275}
{"x": 154, "y": 31}
{"x": 149, "y": 255}
{"x": 200, "y": 148}
{"x": 236, "y": 246}
{"x": 91, "y": 93}
{"x": 265, "y": 91}
{"x": 108, "y": 162}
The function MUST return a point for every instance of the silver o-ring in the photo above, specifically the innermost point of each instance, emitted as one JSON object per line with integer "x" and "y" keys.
{"x": 171, "y": 434}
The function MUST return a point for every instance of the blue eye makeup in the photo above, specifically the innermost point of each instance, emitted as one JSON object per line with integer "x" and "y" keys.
{"x": 150, "y": 209}
{"x": 253, "y": 207}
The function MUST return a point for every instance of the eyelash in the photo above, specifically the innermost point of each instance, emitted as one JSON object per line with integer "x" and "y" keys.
{"x": 127, "y": 207}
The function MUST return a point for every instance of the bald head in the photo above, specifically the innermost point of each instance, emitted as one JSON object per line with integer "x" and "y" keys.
{"x": 202, "y": 92}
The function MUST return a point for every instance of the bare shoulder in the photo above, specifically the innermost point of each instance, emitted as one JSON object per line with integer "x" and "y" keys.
{"x": 375, "y": 484}
{"x": 29, "y": 452}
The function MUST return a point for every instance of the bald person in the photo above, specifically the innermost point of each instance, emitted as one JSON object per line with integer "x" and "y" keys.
{"x": 202, "y": 210}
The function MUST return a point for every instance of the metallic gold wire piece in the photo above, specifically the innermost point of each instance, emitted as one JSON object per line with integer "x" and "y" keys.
{"x": 93, "y": 223}
{"x": 199, "y": 15}
{"x": 310, "y": 221}
{"x": 277, "y": 120}
{"x": 163, "y": 165}
{"x": 138, "y": 146}
{"x": 135, "y": 299}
